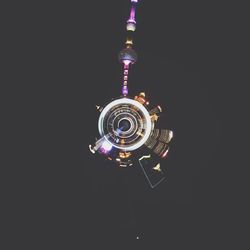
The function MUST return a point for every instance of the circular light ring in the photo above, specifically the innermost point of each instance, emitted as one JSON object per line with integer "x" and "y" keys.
{"x": 130, "y": 124}
{"x": 132, "y": 121}
{"x": 141, "y": 108}
{"x": 118, "y": 137}
{"x": 128, "y": 116}
{"x": 110, "y": 125}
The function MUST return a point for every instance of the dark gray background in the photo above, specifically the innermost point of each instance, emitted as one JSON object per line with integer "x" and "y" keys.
{"x": 66, "y": 60}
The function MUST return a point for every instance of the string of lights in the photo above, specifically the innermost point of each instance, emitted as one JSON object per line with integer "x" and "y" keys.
{"x": 128, "y": 56}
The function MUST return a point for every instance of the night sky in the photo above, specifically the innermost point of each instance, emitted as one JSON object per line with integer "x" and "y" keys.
{"x": 71, "y": 199}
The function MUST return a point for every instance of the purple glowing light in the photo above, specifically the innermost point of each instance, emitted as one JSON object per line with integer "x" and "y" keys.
{"x": 132, "y": 15}
{"x": 125, "y": 90}
{"x": 131, "y": 21}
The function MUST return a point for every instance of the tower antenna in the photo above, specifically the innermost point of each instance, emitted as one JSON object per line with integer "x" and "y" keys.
{"x": 128, "y": 56}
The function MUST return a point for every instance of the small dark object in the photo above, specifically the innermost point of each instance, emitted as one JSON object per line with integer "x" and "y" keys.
{"x": 127, "y": 54}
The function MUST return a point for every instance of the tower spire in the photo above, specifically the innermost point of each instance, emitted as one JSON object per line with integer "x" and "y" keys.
{"x": 128, "y": 56}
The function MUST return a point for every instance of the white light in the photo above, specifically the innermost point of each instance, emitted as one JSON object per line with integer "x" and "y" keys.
{"x": 145, "y": 157}
{"x": 131, "y": 27}
{"x": 159, "y": 107}
{"x": 140, "y": 107}
{"x": 165, "y": 153}
{"x": 171, "y": 134}
{"x": 106, "y": 146}
{"x": 91, "y": 149}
